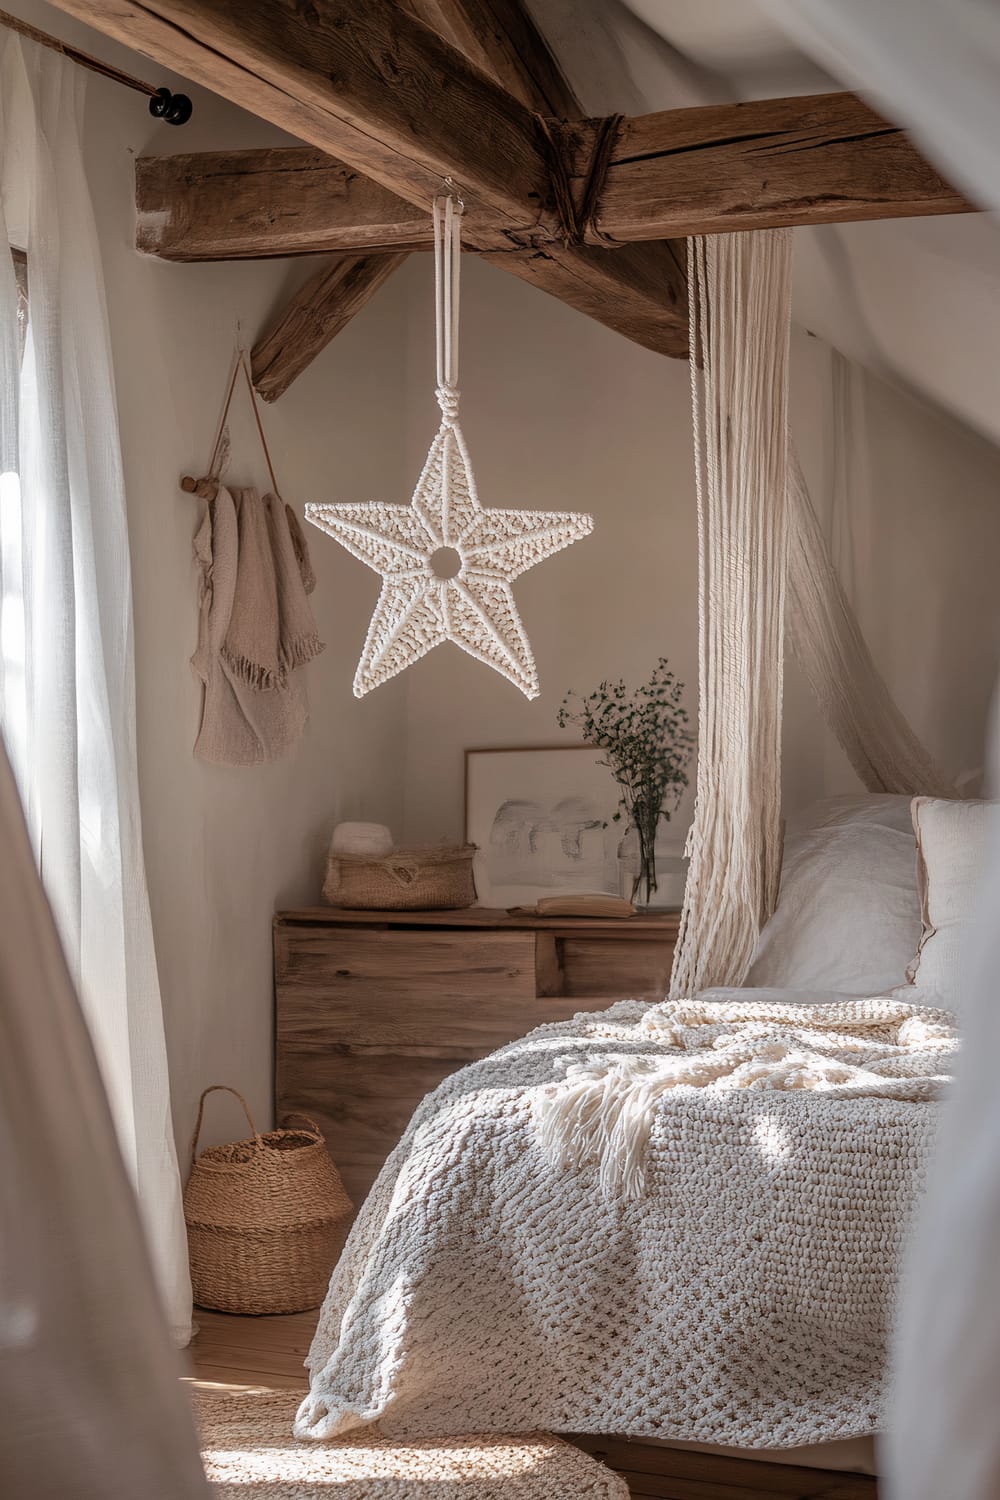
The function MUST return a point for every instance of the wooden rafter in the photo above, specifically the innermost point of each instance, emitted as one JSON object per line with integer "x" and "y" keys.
{"x": 820, "y": 159}
{"x": 640, "y": 294}
{"x": 384, "y": 94}
{"x": 374, "y": 86}
{"x": 248, "y": 205}
{"x": 365, "y": 82}
{"x": 315, "y": 315}
{"x": 816, "y": 159}
{"x": 500, "y": 37}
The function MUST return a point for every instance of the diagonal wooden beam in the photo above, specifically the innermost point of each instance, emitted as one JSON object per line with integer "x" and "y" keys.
{"x": 365, "y": 82}
{"x": 497, "y": 36}
{"x": 641, "y": 294}
{"x": 315, "y": 315}
{"x": 500, "y": 37}
{"x": 370, "y": 85}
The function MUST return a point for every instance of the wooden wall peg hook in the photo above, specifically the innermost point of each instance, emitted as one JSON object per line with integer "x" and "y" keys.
{"x": 206, "y": 487}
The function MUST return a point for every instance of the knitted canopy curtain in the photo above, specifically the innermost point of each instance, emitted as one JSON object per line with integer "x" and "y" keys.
{"x": 67, "y": 691}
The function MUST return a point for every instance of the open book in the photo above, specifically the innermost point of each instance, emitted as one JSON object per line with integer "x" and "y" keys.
{"x": 578, "y": 904}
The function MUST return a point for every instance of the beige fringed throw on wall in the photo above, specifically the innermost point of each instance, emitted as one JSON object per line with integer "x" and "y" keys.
{"x": 271, "y": 629}
{"x": 256, "y": 627}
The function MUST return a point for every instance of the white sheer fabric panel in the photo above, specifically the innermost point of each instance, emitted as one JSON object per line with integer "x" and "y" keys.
{"x": 67, "y": 690}
{"x": 91, "y": 1406}
{"x": 944, "y": 1438}
{"x": 933, "y": 66}
{"x": 930, "y": 65}
{"x": 840, "y": 669}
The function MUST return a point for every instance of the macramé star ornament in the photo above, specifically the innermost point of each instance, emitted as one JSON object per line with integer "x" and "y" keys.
{"x": 447, "y": 564}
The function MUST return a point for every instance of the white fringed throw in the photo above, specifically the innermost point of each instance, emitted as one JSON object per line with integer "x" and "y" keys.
{"x": 739, "y": 286}
{"x": 886, "y": 1047}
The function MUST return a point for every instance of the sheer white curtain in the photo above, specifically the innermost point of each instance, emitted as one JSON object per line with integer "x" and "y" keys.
{"x": 934, "y": 66}
{"x": 91, "y": 1407}
{"x": 67, "y": 690}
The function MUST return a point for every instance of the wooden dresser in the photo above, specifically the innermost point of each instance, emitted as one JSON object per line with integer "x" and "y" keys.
{"x": 375, "y": 1008}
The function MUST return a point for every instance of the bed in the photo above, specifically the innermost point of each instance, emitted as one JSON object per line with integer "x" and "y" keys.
{"x": 679, "y": 1223}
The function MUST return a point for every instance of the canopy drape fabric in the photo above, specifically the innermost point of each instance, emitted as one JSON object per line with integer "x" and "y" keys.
{"x": 67, "y": 689}
{"x": 740, "y": 291}
{"x": 943, "y": 1436}
{"x": 932, "y": 65}
{"x": 824, "y": 633}
{"x": 91, "y": 1406}
{"x": 928, "y": 65}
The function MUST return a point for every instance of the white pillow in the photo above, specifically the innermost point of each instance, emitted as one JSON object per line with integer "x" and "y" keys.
{"x": 952, "y": 842}
{"x": 848, "y": 914}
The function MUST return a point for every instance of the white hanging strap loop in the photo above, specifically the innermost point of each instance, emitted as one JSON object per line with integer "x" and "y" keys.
{"x": 447, "y": 269}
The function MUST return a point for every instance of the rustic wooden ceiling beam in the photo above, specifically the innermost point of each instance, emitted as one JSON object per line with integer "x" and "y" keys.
{"x": 278, "y": 200}
{"x": 817, "y": 159}
{"x": 496, "y": 35}
{"x": 639, "y": 291}
{"x": 367, "y": 83}
{"x": 500, "y": 37}
{"x": 814, "y": 160}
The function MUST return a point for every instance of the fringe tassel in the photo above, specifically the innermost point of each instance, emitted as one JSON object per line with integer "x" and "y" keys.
{"x": 603, "y": 1111}
{"x": 267, "y": 679}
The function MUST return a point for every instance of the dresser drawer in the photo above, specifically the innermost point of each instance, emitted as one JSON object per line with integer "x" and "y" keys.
{"x": 599, "y": 966}
{"x": 404, "y": 988}
{"x": 374, "y": 1009}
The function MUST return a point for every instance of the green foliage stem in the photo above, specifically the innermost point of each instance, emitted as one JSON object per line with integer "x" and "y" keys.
{"x": 647, "y": 743}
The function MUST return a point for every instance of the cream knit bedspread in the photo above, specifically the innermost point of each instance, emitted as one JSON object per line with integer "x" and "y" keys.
{"x": 681, "y": 1221}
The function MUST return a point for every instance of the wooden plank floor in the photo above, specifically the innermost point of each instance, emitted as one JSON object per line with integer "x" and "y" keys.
{"x": 268, "y": 1353}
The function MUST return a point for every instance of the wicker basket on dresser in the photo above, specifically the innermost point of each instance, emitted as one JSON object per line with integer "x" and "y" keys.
{"x": 375, "y": 1008}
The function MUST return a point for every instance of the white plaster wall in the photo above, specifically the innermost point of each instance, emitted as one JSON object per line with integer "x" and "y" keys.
{"x": 561, "y": 413}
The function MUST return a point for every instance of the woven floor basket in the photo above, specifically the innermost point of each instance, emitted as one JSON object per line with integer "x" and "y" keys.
{"x": 408, "y": 880}
{"x": 266, "y": 1219}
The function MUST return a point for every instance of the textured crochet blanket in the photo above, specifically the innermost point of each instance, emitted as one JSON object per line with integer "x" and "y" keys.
{"x": 682, "y": 1221}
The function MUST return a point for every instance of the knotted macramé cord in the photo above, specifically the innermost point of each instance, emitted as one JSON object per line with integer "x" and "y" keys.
{"x": 447, "y": 263}
{"x": 739, "y": 287}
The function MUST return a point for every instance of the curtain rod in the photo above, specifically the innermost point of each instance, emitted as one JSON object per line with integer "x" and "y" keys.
{"x": 174, "y": 109}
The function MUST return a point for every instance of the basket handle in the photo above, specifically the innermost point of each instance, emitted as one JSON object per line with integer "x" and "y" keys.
{"x": 296, "y": 1114}
{"x": 201, "y": 1110}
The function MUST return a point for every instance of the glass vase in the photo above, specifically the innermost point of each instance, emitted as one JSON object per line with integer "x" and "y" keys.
{"x": 637, "y": 868}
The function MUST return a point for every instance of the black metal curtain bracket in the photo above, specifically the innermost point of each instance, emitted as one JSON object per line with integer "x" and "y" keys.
{"x": 173, "y": 109}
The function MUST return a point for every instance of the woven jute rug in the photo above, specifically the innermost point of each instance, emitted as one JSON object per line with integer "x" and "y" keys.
{"x": 250, "y": 1454}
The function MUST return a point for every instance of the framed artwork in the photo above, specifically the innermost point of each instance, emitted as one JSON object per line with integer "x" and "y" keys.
{"x": 542, "y": 818}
